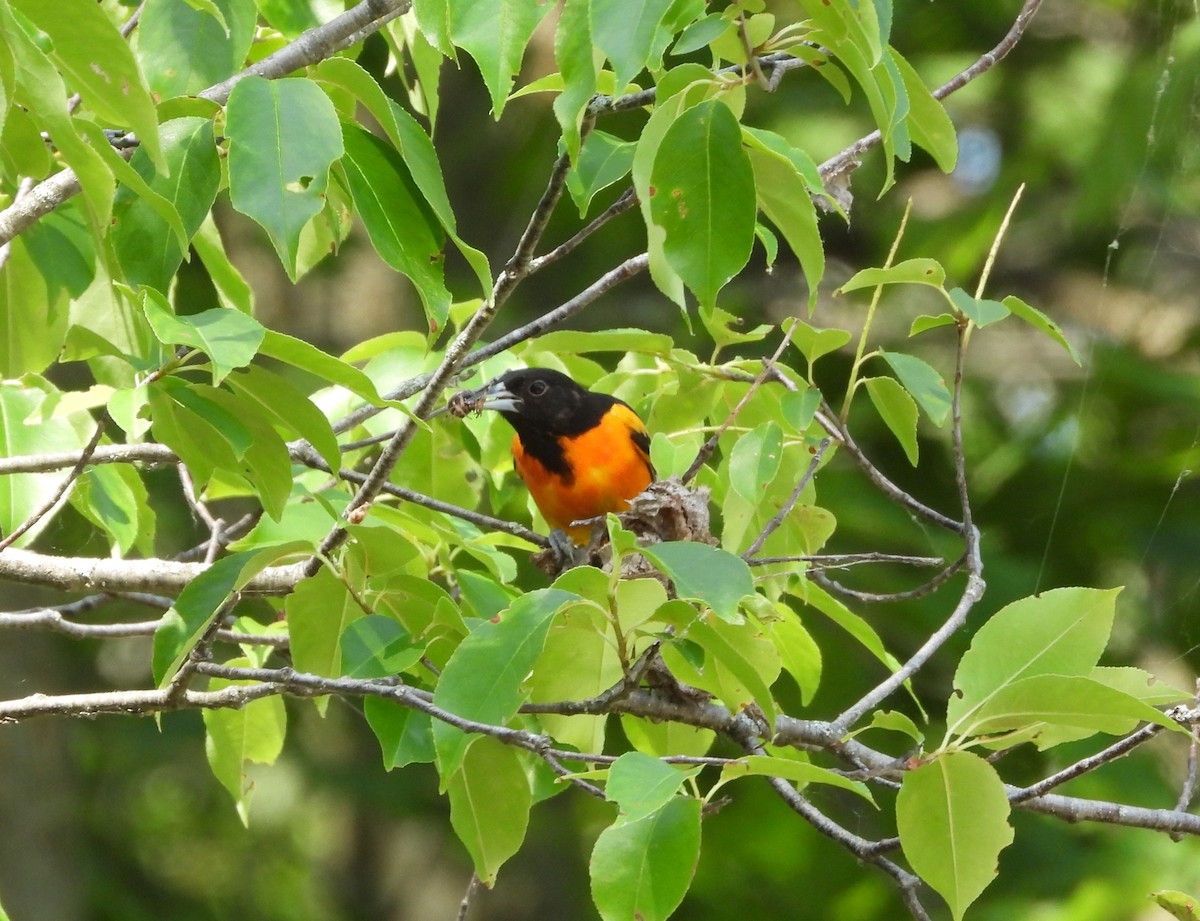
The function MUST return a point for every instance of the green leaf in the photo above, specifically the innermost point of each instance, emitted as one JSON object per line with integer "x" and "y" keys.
{"x": 755, "y": 459}
{"x": 663, "y": 739}
{"x": 925, "y": 322}
{"x": 489, "y": 805}
{"x": 626, "y": 31}
{"x": 814, "y": 342}
{"x": 898, "y": 411}
{"x": 288, "y": 408}
{"x": 605, "y": 159}
{"x": 331, "y": 370}
{"x": 911, "y": 272}
{"x": 927, "y": 119}
{"x": 229, "y": 337}
{"x": 405, "y": 735}
{"x": 581, "y": 342}
{"x": 799, "y": 653}
{"x": 96, "y": 60}
{"x": 924, "y": 383}
{"x": 703, "y": 198}
{"x": 952, "y": 815}
{"x": 982, "y": 311}
{"x": 707, "y": 574}
{"x": 785, "y": 198}
{"x": 415, "y": 147}
{"x": 169, "y": 31}
{"x": 495, "y": 35}
{"x": 33, "y": 318}
{"x": 193, "y": 611}
{"x": 318, "y": 612}
{"x": 699, "y": 34}
{"x": 1179, "y": 904}
{"x": 483, "y": 680}
{"x": 856, "y": 626}
{"x": 574, "y": 53}
{"x": 1059, "y": 632}
{"x": 642, "y": 870}
{"x": 113, "y": 498}
{"x": 147, "y": 247}
{"x": 397, "y": 219}
{"x": 740, "y": 662}
{"x": 641, "y": 785}
{"x": 283, "y": 137}
{"x": 377, "y": 646}
{"x": 239, "y": 736}
{"x": 40, "y": 89}
{"x": 23, "y": 493}
{"x": 1071, "y": 701}
{"x": 1039, "y": 320}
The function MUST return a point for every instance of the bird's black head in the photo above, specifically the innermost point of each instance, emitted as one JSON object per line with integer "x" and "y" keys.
{"x": 541, "y": 403}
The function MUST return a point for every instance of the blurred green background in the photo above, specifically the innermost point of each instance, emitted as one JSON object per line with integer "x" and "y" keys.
{"x": 1080, "y": 476}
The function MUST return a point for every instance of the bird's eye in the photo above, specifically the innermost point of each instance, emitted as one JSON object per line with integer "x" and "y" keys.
{"x": 537, "y": 388}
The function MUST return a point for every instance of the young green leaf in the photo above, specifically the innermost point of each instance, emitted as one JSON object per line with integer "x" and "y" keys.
{"x": 1059, "y": 632}
{"x": 927, "y": 119}
{"x": 924, "y": 382}
{"x": 183, "y": 625}
{"x": 239, "y": 736}
{"x": 642, "y": 870}
{"x": 604, "y": 159}
{"x": 22, "y": 493}
{"x": 898, "y": 411}
{"x": 484, "y": 678}
{"x": 798, "y": 771}
{"x": 713, "y": 576}
{"x": 627, "y": 31}
{"x": 1039, "y": 320}
{"x": 229, "y": 337}
{"x": 1070, "y": 701}
{"x": 952, "y": 815}
{"x": 755, "y": 459}
{"x": 814, "y": 342}
{"x": 981, "y": 311}
{"x": 911, "y": 271}
{"x": 641, "y": 785}
{"x": 318, "y": 613}
{"x": 97, "y": 60}
{"x": 489, "y": 805}
{"x": 405, "y": 735}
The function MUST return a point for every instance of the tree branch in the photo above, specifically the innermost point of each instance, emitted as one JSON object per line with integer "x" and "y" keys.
{"x": 103, "y": 575}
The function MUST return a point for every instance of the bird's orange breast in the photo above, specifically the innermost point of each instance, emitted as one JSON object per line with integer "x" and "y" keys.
{"x": 608, "y": 468}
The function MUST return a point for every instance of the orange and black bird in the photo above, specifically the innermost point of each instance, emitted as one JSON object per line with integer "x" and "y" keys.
{"x": 581, "y": 453}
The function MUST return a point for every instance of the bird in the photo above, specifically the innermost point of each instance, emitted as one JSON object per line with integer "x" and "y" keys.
{"x": 581, "y": 453}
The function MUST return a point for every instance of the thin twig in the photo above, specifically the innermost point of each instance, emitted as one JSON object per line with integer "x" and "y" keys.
{"x": 779, "y": 519}
{"x": 1079, "y": 768}
{"x": 465, "y": 905}
{"x": 846, "y": 560}
{"x": 626, "y": 202}
{"x": 926, "y": 588}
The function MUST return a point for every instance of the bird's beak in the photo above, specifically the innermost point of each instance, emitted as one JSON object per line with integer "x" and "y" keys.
{"x": 493, "y": 395}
